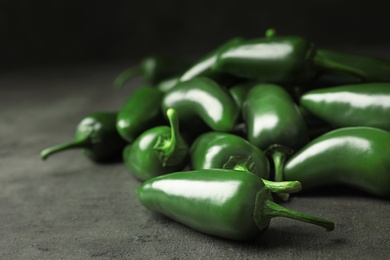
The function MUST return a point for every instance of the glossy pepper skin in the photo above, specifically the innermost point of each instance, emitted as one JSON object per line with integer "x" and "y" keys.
{"x": 216, "y": 150}
{"x": 277, "y": 59}
{"x": 375, "y": 70}
{"x": 354, "y": 156}
{"x": 273, "y": 118}
{"x": 97, "y": 136}
{"x": 351, "y": 105}
{"x": 140, "y": 112}
{"x": 225, "y": 203}
{"x": 202, "y": 101}
{"x": 153, "y": 69}
{"x": 203, "y": 68}
{"x": 274, "y": 123}
{"x": 157, "y": 151}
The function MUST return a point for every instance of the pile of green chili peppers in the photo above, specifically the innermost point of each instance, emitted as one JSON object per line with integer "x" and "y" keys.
{"x": 215, "y": 142}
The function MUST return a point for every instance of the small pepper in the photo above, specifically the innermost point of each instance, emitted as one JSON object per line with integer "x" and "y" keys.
{"x": 222, "y": 150}
{"x": 224, "y": 203}
{"x": 157, "y": 151}
{"x": 97, "y": 136}
{"x": 202, "y": 101}
{"x": 351, "y": 105}
{"x": 153, "y": 69}
{"x": 140, "y": 112}
{"x": 277, "y": 59}
{"x": 274, "y": 123}
{"x": 375, "y": 70}
{"x": 354, "y": 156}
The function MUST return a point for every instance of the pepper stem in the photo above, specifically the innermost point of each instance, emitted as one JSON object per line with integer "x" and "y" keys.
{"x": 330, "y": 65}
{"x": 127, "y": 75}
{"x": 82, "y": 143}
{"x": 279, "y": 155}
{"x": 166, "y": 147}
{"x": 266, "y": 209}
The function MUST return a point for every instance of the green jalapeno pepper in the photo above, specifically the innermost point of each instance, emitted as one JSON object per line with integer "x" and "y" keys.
{"x": 157, "y": 151}
{"x": 273, "y": 118}
{"x": 277, "y": 59}
{"x": 351, "y": 105}
{"x": 274, "y": 123}
{"x": 228, "y": 151}
{"x": 203, "y": 68}
{"x": 97, "y": 136}
{"x": 354, "y": 156}
{"x": 202, "y": 101}
{"x": 224, "y": 203}
{"x": 141, "y": 111}
{"x": 375, "y": 70}
{"x": 153, "y": 69}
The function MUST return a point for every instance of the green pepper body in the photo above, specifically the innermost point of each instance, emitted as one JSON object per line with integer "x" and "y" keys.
{"x": 202, "y": 101}
{"x": 277, "y": 59}
{"x": 223, "y": 150}
{"x": 140, "y": 112}
{"x": 153, "y": 69}
{"x": 274, "y": 59}
{"x": 355, "y": 156}
{"x": 157, "y": 151}
{"x": 351, "y": 105}
{"x": 224, "y": 203}
{"x": 96, "y": 134}
{"x": 272, "y": 118}
{"x": 203, "y": 68}
{"x": 376, "y": 70}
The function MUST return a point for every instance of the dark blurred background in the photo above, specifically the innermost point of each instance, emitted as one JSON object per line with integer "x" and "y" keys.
{"x": 45, "y": 33}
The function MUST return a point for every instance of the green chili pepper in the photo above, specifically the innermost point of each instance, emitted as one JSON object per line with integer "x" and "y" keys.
{"x": 354, "y": 156}
{"x": 203, "y": 68}
{"x": 222, "y": 150}
{"x": 202, "y": 101}
{"x": 274, "y": 123}
{"x": 97, "y": 136}
{"x": 140, "y": 112}
{"x": 224, "y": 203}
{"x": 277, "y": 59}
{"x": 351, "y": 105}
{"x": 153, "y": 69}
{"x": 157, "y": 151}
{"x": 273, "y": 118}
{"x": 376, "y": 70}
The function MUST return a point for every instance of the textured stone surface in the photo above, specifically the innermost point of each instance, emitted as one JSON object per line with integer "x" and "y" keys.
{"x": 70, "y": 208}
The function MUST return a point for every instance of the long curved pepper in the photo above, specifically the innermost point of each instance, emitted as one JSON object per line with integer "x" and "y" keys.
{"x": 96, "y": 134}
{"x": 153, "y": 69}
{"x": 278, "y": 59}
{"x": 157, "y": 151}
{"x": 202, "y": 101}
{"x": 354, "y": 156}
{"x": 225, "y": 203}
{"x": 351, "y": 105}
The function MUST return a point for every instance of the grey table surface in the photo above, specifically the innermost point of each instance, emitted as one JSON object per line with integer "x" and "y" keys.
{"x": 70, "y": 208}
